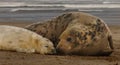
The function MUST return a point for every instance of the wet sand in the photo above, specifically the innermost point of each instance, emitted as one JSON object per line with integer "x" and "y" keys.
{"x": 16, "y": 58}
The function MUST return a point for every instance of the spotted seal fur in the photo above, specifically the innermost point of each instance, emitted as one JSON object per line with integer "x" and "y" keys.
{"x": 90, "y": 30}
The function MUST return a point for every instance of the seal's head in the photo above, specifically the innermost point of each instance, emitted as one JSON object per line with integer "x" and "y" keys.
{"x": 81, "y": 40}
{"x": 43, "y": 45}
{"x": 70, "y": 42}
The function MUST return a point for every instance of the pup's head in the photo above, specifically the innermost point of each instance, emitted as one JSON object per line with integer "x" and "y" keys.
{"x": 74, "y": 40}
{"x": 44, "y": 46}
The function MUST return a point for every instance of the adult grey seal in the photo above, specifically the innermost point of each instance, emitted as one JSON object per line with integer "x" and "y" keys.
{"x": 76, "y": 33}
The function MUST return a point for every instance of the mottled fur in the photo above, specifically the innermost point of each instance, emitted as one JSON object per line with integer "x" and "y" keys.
{"x": 85, "y": 27}
{"x": 84, "y": 40}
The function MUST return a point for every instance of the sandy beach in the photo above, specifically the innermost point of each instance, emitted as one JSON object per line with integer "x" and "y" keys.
{"x": 16, "y": 58}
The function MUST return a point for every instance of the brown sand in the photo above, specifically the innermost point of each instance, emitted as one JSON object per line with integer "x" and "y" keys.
{"x": 16, "y": 58}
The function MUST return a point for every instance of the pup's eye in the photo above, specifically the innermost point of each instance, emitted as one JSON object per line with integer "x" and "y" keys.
{"x": 69, "y": 39}
{"x": 46, "y": 46}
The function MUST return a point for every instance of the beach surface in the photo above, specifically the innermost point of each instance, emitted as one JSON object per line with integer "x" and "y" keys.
{"x": 16, "y": 58}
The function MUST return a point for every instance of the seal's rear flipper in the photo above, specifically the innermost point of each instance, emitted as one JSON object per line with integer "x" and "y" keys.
{"x": 109, "y": 49}
{"x": 110, "y": 42}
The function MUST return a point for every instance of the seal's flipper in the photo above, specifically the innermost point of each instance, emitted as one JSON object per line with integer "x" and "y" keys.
{"x": 110, "y": 42}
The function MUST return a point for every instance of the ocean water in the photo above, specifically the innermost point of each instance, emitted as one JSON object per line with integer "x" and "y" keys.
{"x": 39, "y": 10}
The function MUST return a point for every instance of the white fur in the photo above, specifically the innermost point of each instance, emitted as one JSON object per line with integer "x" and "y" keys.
{"x": 22, "y": 40}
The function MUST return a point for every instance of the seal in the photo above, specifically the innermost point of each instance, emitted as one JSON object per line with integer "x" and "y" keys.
{"x": 76, "y": 33}
{"x": 22, "y": 40}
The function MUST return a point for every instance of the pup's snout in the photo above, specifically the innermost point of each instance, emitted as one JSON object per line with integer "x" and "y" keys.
{"x": 53, "y": 51}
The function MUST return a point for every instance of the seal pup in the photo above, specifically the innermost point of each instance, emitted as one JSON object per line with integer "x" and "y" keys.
{"x": 22, "y": 40}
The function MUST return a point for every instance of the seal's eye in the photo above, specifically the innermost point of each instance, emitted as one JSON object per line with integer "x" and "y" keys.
{"x": 69, "y": 39}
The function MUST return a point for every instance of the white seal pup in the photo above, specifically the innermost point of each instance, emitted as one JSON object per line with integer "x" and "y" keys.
{"x": 22, "y": 40}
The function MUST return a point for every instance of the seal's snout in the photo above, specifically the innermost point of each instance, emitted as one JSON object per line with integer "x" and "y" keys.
{"x": 52, "y": 52}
